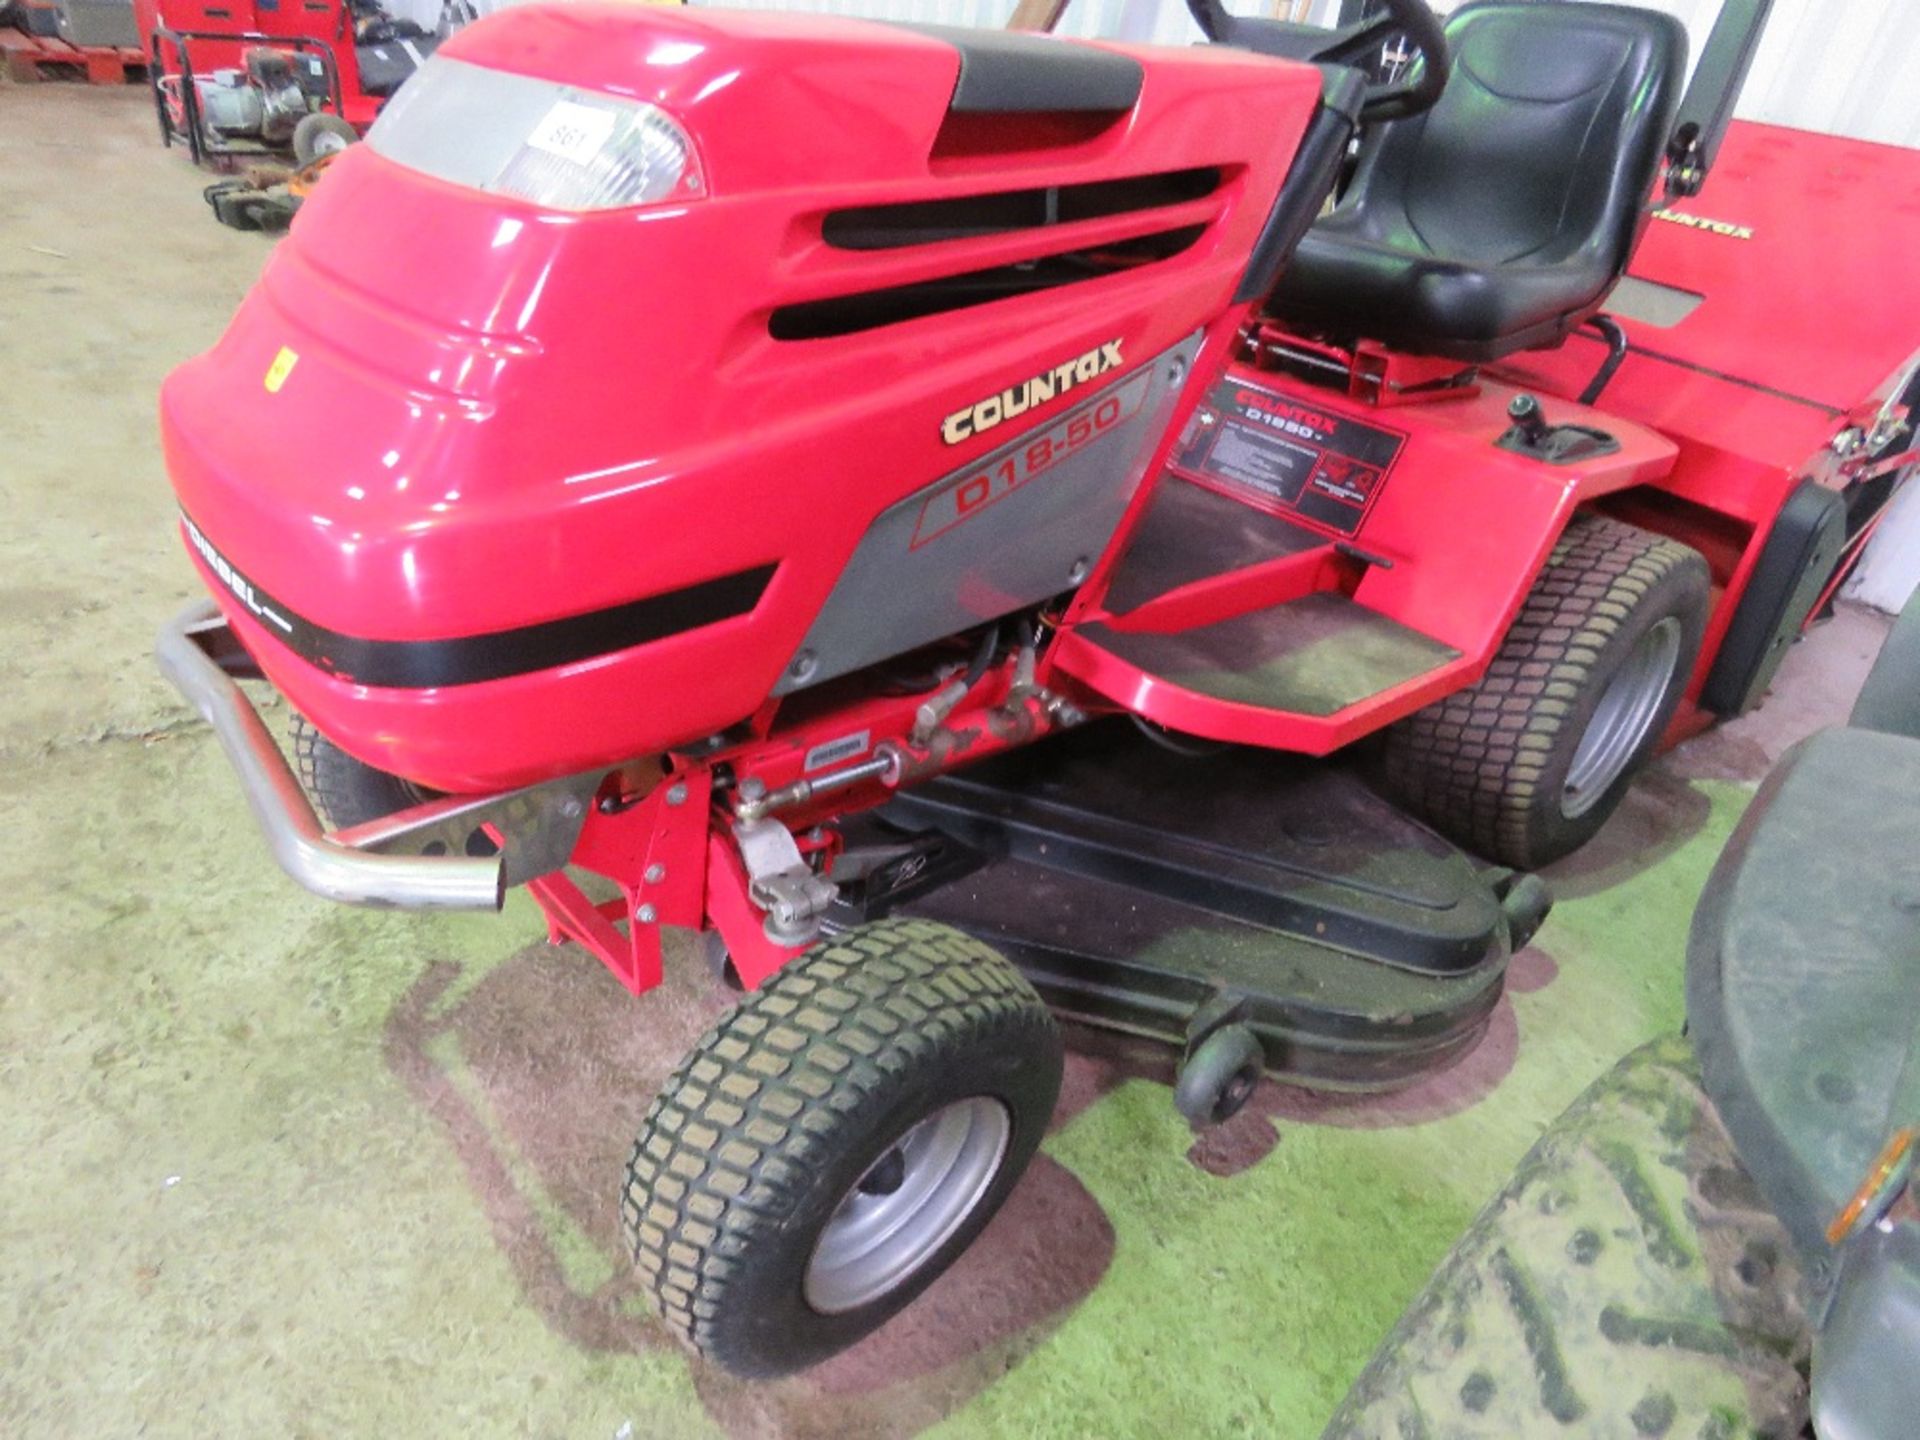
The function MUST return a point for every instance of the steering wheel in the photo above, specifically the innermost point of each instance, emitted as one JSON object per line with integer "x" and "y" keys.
{"x": 1353, "y": 45}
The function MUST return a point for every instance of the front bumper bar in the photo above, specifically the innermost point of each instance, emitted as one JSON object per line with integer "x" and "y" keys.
{"x": 198, "y": 653}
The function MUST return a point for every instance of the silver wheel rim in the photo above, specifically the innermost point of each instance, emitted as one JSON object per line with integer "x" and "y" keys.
{"x": 1626, "y": 712}
{"x": 907, "y": 1204}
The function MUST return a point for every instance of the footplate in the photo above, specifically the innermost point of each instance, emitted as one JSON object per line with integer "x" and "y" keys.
{"x": 1170, "y": 895}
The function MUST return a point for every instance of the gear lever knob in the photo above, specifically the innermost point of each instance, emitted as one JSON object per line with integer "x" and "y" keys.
{"x": 1526, "y": 415}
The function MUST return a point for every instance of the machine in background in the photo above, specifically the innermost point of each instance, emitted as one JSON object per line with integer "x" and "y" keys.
{"x": 240, "y": 80}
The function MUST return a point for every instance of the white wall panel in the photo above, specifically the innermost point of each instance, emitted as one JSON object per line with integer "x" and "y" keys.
{"x": 1849, "y": 67}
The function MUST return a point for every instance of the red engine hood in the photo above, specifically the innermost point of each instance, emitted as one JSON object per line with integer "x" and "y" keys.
{"x": 445, "y": 414}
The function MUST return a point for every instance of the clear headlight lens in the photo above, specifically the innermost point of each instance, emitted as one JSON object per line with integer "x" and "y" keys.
{"x": 537, "y": 140}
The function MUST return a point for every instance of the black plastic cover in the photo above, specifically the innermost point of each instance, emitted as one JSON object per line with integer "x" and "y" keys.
{"x": 1291, "y": 846}
{"x": 1801, "y": 550}
{"x": 1707, "y": 108}
{"x": 384, "y": 67}
{"x": 1008, "y": 73}
{"x": 1156, "y": 893}
{"x": 1803, "y": 971}
{"x": 1310, "y": 179}
{"x": 1890, "y": 700}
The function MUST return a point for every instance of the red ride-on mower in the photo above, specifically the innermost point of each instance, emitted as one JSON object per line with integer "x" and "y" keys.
{"x": 710, "y": 553}
{"x": 244, "y": 78}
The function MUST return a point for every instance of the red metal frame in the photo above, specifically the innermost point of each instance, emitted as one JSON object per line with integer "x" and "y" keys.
{"x": 438, "y": 457}
{"x": 26, "y": 54}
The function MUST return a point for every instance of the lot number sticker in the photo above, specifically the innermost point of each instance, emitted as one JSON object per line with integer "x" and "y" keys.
{"x": 573, "y": 132}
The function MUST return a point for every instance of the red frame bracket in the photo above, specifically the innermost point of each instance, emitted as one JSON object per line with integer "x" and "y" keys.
{"x": 655, "y": 850}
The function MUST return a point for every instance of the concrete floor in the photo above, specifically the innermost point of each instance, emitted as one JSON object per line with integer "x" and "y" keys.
{"x": 273, "y": 1167}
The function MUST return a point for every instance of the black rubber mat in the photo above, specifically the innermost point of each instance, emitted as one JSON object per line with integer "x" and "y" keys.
{"x": 1190, "y": 533}
{"x": 1311, "y": 656}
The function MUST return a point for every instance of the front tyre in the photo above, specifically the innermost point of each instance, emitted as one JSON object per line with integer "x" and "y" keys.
{"x": 836, "y": 1141}
{"x": 349, "y": 792}
{"x": 1526, "y": 766}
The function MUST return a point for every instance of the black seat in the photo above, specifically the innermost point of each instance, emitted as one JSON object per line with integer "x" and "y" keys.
{"x": 1500, "y": 219}
{"x": 385, "y": 64}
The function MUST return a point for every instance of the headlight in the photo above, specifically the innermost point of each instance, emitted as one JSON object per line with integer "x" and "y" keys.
{"x": 537, "y": 140}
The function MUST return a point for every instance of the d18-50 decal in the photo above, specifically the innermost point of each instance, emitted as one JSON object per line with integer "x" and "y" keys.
{"x": 1288, "y": 456}
{"x": 1008, "y": 469}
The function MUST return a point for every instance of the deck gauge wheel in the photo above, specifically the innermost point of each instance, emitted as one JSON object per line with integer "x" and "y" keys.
{"x": 1219, "y": 1076}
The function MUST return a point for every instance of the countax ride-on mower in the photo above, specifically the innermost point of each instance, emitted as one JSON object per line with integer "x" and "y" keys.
{"x": 707, "y": 548}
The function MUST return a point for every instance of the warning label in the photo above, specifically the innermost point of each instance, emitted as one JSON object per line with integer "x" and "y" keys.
{"x": 1288, "y": 455}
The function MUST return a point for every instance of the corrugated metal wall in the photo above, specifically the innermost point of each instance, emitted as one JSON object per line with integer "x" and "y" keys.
{"x": 1850, "y": 67}
{"x": 1847, "y": 66}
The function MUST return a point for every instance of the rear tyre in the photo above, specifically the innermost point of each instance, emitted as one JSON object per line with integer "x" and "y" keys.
{"x": 1526, "y": 766}
{"x": 348, "y": 791}
{"x": 834, "y": 1143}
{"x": 1628, "y": 1281}
{"x": 320, "y": 134}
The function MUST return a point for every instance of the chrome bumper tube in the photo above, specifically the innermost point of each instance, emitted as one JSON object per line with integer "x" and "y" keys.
{"x": 186, "y": 651}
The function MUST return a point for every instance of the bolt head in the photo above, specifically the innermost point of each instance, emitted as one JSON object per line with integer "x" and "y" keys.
{"x": 753, "y": 788}
{"x": 645, "y": 914}
{"x": 677, "y": 795}
{"x": 655, "y": 874}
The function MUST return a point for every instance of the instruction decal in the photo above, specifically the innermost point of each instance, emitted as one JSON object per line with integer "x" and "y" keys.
{"x": 1290, "y": 456}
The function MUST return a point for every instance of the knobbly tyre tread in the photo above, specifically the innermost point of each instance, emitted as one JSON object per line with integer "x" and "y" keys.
{"x": 1628, "y": 1281}
{"x": 1480, "y": 764}
{"x": 743, "y": 1128}
{"x": 347, "y": 791}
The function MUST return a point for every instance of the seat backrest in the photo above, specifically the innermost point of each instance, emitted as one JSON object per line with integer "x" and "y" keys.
{"x": 1547, "y": 140}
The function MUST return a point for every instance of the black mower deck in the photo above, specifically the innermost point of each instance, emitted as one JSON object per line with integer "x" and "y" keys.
{"x": 1171, "y": 895}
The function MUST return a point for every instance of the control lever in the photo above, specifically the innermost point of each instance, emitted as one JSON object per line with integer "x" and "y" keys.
{"x": 1532, "y": 436}
{"x": 1530, "y": 426}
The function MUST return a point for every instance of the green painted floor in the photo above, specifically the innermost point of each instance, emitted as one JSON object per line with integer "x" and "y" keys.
{"x": 269, "y": 1167}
